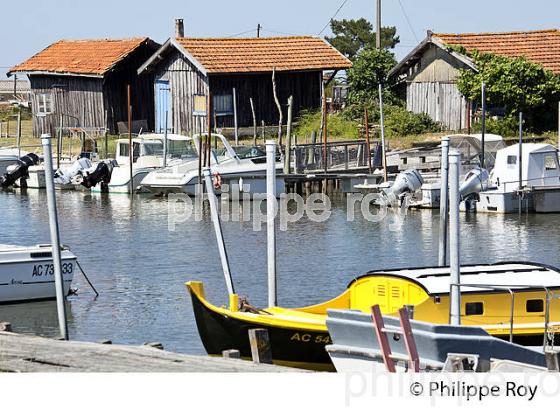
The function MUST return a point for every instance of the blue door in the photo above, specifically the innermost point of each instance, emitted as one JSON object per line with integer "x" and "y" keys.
{"x": 163, "y": 106}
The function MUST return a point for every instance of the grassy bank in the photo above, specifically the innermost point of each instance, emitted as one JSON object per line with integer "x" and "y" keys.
{"x": 337, "y": 131}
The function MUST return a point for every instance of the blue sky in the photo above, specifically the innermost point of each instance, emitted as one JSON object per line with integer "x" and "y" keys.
{"x": 34, "y": 24}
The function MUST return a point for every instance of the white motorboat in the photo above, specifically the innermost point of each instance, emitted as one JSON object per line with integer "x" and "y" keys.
{"x": 242, "y": 168}
{"x": 539, "y": 188}
{"x": 27, "y": 272}
{"x": 147, "y": 155}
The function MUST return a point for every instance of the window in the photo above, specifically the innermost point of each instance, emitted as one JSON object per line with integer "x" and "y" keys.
{"x": 535, "y": 305}
{"x": 199, "y": 104}
{"x": 44, "y": 104}
{"x": 223, "y": 104}
{"x": 511, "y": 160}
{"x": 550, "y": 162}
{"x": 474, "y": 308}
{"x": 123, "y": 149}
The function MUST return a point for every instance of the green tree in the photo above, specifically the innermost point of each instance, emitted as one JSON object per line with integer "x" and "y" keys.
{"x": 352, "y": 36}
{"x": 514, "y": 84}
{"x": 368, "y": 70}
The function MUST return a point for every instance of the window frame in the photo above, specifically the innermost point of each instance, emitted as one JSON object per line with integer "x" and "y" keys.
{"x": 45, "y": 103}
{"x": 194, "y": 102}
{"x": 476, "y": 304}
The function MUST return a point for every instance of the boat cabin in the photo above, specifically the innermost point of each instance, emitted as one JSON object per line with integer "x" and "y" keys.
{"x": 147, "y": 151}
{"x": 539, "y": 167}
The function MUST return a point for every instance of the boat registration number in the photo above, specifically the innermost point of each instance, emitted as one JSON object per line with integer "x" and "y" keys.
{"x": 305, "y": 337}
{"x": 47, "y": 269}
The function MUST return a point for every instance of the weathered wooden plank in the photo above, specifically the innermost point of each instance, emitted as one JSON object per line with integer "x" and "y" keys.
{"x": 24, "y": 353}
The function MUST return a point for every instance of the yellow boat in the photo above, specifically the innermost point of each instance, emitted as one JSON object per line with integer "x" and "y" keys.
{"x": 489, "y": 296}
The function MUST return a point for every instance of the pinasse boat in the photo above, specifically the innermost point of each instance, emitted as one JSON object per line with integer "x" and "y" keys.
{"x": 510, "y": 299}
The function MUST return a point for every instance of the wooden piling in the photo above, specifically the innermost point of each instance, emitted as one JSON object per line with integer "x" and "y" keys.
{"x": 254, "y": 121}
{"x": 231, "y": 354}
{"x": 260, "y": 346}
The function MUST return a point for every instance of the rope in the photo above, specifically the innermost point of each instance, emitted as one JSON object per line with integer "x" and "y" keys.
{"x": 87, "y": 279}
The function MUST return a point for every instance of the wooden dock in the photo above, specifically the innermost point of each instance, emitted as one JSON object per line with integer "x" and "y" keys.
{"x": 24, "y": 353}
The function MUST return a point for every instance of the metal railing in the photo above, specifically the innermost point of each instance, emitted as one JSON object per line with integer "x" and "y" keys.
{"x": 511, "y": 290}
{"x": 340, "y": 156}
{"x": 524, "y": 182}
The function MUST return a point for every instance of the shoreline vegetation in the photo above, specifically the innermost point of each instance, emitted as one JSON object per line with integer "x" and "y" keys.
{"x": 338, "y": 130}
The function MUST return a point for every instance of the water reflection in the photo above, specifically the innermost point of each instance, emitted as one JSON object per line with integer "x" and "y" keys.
{"x": 139, "y": 267}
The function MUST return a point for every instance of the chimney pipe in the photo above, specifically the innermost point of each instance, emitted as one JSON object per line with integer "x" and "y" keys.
{"x": 179, "y": 28}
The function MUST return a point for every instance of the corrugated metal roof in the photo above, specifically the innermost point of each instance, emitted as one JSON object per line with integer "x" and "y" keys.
{"x": 85, "y": 57}
{"x": 539, "y": 46}
{"x": 244, "y": 55}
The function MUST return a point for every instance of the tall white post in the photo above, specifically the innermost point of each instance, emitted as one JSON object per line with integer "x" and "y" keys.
{"x": 454, "y": 238}
{"x": 271, "y": 207}
{"x": 559, "y": 125}
{"x": 382, "y": 126}
{"x": 218, "y": 228}
{"x": 55, "y": 236}
{"x": 483, "y": 133}
{"x": 443, "y": 202}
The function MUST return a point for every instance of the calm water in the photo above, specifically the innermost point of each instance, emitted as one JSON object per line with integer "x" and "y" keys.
{"x": 139, "y": 267}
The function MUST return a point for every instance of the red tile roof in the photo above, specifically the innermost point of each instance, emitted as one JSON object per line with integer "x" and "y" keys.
{"x": 540, "y": 46}
{"x": 244, "y": 55}
{"x": 93, "y": 57}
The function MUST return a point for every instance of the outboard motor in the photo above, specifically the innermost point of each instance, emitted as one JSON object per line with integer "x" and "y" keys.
{"x": 101, "y": 174}
{"x": 407, "y": 181}
{"x": 64, "y": 177}
{"x": 474, "y": 182}
{"x": 19, "y": 170}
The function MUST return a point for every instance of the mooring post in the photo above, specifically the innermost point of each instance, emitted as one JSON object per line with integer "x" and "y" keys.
{"x": 382, "y": 127}
{"x": 218, "y": 229}
{"x": 443, "y": 202}
{"x": 288, "y": 154}
{"x": 454, "y": 238}
{"x": 260, "y": 346}
{"x": 483, "y": 133}
{"x": 18, "y": 142}
{"x": 236, "y": 129}
{"x": 130, "y": 146}
{"x": 558, "y": 125}
{"x": 271, "y": 207}
{"x": 55, "y": 236}
{"x": 520, "y": 162}
{"x": 165, "y": 140}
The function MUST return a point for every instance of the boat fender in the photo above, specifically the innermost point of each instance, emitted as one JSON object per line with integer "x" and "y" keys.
{"x": 217, "y": 180}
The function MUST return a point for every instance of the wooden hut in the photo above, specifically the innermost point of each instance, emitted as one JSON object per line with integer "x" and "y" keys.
{"x": 430, "y": 70}
{"x": 233, "y": 71}
{"x": 85, "y": 82}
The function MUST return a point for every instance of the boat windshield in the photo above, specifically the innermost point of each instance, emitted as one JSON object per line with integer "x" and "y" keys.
{"x": 182, "y": 149}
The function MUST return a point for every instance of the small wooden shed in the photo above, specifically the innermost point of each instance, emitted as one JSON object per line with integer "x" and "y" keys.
{"x": 430, "y": 70}
{"x": 234, "y": 70}
{"x": 86, "y": 82}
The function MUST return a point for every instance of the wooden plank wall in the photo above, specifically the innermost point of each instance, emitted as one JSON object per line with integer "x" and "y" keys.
{"x": 185, "y": 81}
{"x": 142, "y": 89}
{"x": 304, "y": 86}
{"x": 82, "y": 98}
{"x": 441, "y": 101}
